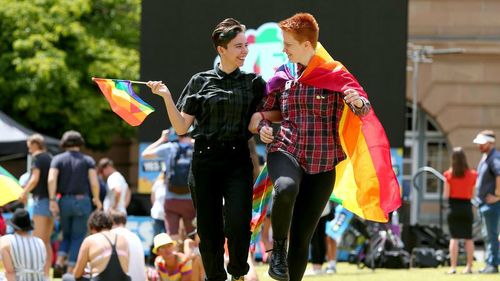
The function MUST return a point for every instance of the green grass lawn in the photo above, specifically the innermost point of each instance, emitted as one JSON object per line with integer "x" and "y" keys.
{"x": 348, "y": 272}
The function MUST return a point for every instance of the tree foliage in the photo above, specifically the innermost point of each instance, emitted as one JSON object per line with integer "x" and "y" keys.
{"x": 50, "y": 49}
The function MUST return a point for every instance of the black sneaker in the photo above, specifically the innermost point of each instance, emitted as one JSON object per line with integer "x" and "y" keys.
{"x": 489, "y": 269}
{"x": 58, "y": 271}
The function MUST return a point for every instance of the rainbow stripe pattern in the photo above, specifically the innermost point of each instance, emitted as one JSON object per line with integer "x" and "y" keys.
{"x": 262, "y": 191}
{"x": 124, "y": 101}
{"x": 365, "y": 183}
{"x": 10, "y": 189}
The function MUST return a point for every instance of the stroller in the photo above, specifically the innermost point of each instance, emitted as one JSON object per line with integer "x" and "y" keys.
{"x": 383, "y": 249}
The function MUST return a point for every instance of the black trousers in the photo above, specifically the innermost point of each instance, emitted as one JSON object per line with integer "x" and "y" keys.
{"x": 298, "y": 203}
{"x": 318, "y": 240}
{"x": 223, "y": 194}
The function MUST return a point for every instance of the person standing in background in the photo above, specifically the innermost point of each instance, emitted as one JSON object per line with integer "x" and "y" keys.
{"x": 459, "y": 189}
{"x": 178, "y": 203}
{"x": 73, "y": 175}
{"x": 323, "y": 245}
{"x": 158, "y": 200}
{"x": 488, "y": 195}
{"x": 118, "y": 191}
{"x": 103, "y": 187}
{"x": 37, "y": 185}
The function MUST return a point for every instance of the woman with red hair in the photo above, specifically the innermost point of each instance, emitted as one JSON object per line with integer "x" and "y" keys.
{"x": 303, "y": 154}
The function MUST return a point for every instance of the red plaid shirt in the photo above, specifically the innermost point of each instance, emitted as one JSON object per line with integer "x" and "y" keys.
{"x": 309, "y": 126}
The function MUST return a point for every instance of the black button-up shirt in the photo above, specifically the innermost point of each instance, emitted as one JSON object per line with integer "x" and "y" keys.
{"x": 222, "y": 103}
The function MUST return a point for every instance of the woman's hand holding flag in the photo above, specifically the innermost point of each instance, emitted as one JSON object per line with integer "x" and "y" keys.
{"x": 157, "y": 87}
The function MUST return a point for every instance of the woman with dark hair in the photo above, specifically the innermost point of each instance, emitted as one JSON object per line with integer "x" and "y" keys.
{"x": 24, "y": 255}
{"x": 459, "y": 189}
{"x": 107, "y": 260}
{"x": 219, "y": 103}
{"x": 73, "y": 175}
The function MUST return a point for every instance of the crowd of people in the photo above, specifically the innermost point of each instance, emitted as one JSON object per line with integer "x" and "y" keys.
{"x": 202, "y": 225}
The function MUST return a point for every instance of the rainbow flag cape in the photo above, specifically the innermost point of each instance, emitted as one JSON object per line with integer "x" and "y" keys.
{"x": 10, "y": 189}
{"x": 262, "y": 191}
{"x": 123, "y": 100}
{"x": 365, "y": 183}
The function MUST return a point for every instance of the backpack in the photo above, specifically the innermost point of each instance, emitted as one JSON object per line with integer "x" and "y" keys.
{"x": 179, "y": 169}
{"x": 429, "y": 236}
{"x": 384, "y": 250}
{"x": 427, "y": 257}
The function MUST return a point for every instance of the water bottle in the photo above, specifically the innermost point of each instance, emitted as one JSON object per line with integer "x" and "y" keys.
{"x": 395, "y": 224}
{"x": 395, "y": 218}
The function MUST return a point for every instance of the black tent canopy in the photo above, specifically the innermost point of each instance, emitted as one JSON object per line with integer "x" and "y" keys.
{"x": 13, "y": 138}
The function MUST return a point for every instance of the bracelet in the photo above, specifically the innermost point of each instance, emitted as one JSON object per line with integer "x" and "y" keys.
{"x": 262, "y": 115}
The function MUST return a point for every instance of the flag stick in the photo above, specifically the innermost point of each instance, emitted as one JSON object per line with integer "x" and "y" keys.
{"x": 131, "y": 81}
{"x": 138, "y": 82}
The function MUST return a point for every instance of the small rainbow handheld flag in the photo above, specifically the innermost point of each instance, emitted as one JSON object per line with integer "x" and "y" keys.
{"x": 123, "y": 100}
{"x": 10, "y": 189}
{"x": 262, "y": 190}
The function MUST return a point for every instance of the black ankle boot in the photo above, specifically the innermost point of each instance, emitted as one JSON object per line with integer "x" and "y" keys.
{"x": 278, "y": 266}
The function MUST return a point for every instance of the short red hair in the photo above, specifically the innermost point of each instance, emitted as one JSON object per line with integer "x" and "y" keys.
{"x": 303, "y": 27}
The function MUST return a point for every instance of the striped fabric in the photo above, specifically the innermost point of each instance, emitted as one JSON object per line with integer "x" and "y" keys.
{"x": 28, "y": 256}
{"x": 184, "y": 267}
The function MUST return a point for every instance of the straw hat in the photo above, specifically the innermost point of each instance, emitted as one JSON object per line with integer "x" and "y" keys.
{"x": 162, "y": 239}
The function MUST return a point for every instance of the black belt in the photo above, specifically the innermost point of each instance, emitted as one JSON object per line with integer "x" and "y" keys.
{"x": 76, "y": 194}
{"x": 223, "y": 144}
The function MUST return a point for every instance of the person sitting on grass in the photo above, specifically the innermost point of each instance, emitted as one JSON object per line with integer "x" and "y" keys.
{"x": 170, "y": 265}
{"x": 105, "y": 252}
{"x": 24, "y": 256}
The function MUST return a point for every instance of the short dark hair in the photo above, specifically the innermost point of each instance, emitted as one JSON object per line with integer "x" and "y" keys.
{"x": 103, "y": 163}
{"x": 72, "y": 138}
{"x": 99, "y": 221}
{"x": 118, "y": 217}
{"x": 225, "y": 31}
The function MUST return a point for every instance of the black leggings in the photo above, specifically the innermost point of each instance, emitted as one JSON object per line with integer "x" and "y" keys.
{"x": 298, "y": 203}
